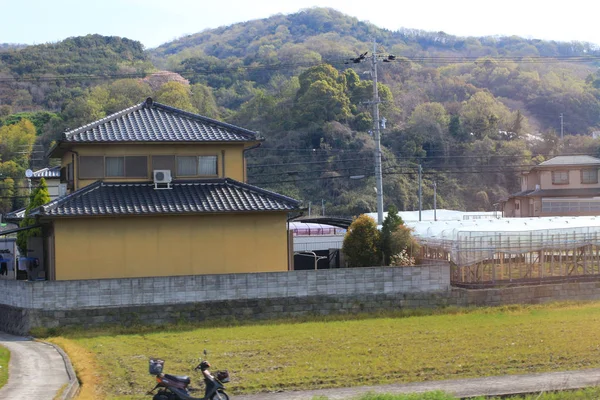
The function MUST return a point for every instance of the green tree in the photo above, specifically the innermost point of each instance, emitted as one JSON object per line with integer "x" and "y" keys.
{"x": 7, "y": 192}
{"x": 176, "y": 94}
{"x": 361, "y": 242}
{"x": 204, "y": 101}
{"x": 483, "y": 116}
{"x": 390, "y": 225}
{"x": 403, "y": 243}
{"x": 322, "y": 96}
{"x": 39, "y": 197}
{"x": 16, "y": 142}
{"x": 83, "y": 110}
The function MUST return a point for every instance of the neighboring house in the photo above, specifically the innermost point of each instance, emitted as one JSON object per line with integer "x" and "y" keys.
{"x": 52, "y": 177}
{"x": 157, "y": 191}
{"x": 561, "y": 186}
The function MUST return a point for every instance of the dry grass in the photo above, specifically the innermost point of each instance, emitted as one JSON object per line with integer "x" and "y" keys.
{"x": 320, "y": 354}
{"x": 86, "y": 368}
{"x": 4, "y": 359}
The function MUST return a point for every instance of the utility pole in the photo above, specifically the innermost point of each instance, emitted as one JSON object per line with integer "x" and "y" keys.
{"x": 420, "y": 191}
{"x": 323, "y": 206}
{"x": 376, "y": 132}
{"x": 561, "y": 126}
{"x": 434, "y": 201}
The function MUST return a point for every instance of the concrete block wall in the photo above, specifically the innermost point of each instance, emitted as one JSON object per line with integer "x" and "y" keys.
{"x": 26, "y": 305}
{"x": 573, "y": 291}
{"x": 70, "y": 295}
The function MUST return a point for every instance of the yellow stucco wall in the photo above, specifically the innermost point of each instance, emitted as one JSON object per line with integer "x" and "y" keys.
{"x": 234, "y": 157}
{"x": 169, "y": 245}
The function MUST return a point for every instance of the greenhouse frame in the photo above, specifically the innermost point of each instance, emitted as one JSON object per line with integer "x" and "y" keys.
{"x": 488, "y": 252}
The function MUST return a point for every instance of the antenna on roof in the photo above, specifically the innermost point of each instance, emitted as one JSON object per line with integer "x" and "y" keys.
{"x": 149, "y": 102}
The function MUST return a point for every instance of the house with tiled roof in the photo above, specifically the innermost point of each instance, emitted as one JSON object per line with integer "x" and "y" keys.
{"x": 157, "y": 191}
{"x": 560, "y": 186}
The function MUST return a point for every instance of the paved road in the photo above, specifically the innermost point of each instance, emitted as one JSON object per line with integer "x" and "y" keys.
{"x": 36, "y": 371}
{"x": 490, "y": 386}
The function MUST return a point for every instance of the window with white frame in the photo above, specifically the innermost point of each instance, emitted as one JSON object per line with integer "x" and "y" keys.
{"x": 560, "y": 177}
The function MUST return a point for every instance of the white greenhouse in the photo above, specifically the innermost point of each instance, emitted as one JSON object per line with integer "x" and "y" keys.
{"x": 492, "y": 251}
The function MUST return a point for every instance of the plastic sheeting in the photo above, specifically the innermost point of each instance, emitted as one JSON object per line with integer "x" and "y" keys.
{"x": 472, "y": 241}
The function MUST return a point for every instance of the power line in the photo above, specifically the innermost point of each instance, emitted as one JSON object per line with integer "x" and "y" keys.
{"x": 42, "y": 77}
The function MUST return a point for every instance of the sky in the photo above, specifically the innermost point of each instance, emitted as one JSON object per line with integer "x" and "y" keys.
{"x": 154, "y": 22}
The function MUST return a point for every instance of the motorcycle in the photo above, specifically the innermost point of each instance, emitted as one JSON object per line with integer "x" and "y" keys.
{"x": 176, "y": 387}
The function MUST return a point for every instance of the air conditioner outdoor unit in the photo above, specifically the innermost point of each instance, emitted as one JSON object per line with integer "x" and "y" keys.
{"x": 162, "y": 177}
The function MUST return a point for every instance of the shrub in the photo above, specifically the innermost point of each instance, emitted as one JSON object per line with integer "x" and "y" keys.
{"x": 361, "y": 243}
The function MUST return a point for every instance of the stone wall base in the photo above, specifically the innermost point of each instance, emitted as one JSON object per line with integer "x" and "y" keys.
{"x": 255, "y": 309}
{"x": 20, "y": 321}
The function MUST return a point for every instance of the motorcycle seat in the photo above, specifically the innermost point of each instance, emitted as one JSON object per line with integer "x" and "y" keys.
{"x": 179, "y": 378}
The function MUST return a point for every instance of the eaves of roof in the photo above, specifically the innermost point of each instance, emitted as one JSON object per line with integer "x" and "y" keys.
{"x": 208, "y": 196}
{"x": 585, "y": 192}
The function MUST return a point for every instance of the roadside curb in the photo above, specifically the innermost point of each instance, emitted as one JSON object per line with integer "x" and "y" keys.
{"x": 72, "y": 388}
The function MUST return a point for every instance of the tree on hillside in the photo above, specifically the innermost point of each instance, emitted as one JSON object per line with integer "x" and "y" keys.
{"x": 7, "y": 192}
{"x": 39, "y": 197}
{"x": 16, "y": 142}
{"x": 175, "y": 94}
{"x": 361, "y": 243}
{"x": 203, "y": 99}
{"x": 483, "y": 115}
{"x": 322, "y": 96}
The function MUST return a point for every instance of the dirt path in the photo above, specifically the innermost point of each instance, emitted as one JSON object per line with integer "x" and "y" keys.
{"x": 490, "y": 386}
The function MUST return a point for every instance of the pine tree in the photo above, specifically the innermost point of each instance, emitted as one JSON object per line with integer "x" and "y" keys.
{"x": 390, "y": 225}
{"x": 39, "y": 197}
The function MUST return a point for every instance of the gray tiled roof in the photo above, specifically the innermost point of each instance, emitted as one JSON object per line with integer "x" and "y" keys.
{"x": 570, "y": 160}
{"x": 15, "y": 216}
{"x": 585, "y": 192}
{"x": 53, "y": 172}
{"x": 521, "y": 194}
{"x": 154, "y": 122}
{"x": 184, "y": 197}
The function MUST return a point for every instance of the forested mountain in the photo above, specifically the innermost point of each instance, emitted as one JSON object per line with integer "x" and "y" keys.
{"x": 471, "y": 111}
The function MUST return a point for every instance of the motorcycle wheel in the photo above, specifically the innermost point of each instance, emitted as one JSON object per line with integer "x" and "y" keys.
{"x": 162, "y": 396}
{"x": 220, "y": 396}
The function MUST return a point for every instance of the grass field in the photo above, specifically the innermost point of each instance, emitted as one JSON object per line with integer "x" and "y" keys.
{"x": 4, "y": 358}
{"x": 587, "y": 394}
{"x": 285, "y": 355}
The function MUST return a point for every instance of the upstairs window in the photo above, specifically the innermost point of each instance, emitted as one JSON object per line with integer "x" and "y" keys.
{"x": 197, "y": 166}
{"x": 207, "y": 165}
{"x": 115, "y": 167}
{"x": 589, "y": 176}
{"x": 91, "y": 167}
{"x": 164, "y": 162}
{"x": 560, "y": 177}
{"x": 136, "y": 167}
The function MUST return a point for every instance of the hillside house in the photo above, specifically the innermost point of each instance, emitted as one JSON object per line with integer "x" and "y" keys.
{"x": 156, "y": 191}
{"x": 561, "y": 186}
